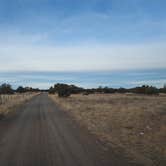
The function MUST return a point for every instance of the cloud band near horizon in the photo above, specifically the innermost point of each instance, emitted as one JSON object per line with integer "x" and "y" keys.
{"x": 63, "y": 35}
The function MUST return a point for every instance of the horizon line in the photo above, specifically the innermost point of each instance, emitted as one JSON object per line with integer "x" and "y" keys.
{"x": 76, "y": 71}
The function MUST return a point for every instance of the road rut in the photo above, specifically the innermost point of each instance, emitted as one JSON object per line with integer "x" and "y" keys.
{"x": 40, "y": 134}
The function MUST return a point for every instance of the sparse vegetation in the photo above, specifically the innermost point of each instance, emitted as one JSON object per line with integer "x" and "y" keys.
{"x": 21, "y": 89}
{"x": 145, "y": 89}
{"x": 8, "y": 102}
{"x": 7, "y": 89}
{"x": 9, "y": 98}
{"x": 163, "y": 90}
{"x": 132, "y": 120}
{"x": 134, "y": 123}
{"x": 65, "y": 90}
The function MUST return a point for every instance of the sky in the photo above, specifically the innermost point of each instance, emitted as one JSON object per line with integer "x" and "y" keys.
{"x": 82, "y": 35}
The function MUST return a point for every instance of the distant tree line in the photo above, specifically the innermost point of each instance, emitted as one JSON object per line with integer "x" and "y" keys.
{"x": 21, "y": 89}
{"x": 7, "y": 89}
{"x": 65, "y": 90}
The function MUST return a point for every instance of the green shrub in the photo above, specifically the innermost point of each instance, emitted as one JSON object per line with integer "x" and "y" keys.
{"x": 20, "y": 89}
{"x": 63, "y": 90}
{"x": 64, "y": 93}
{"x": 145, "y": 89}
{"x": 6, "y": 89}
{"x": 51, "y": 90}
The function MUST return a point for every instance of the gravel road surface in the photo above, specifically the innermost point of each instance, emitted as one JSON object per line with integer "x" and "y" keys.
{"x": 40, "y": 134}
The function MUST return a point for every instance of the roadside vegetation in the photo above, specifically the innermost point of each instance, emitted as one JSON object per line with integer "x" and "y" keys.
{"x": 64, "y": 90}
{"x": 132, "y": 121}
{"x": 10, "y": 98}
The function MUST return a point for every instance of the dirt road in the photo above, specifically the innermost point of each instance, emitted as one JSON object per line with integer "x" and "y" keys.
{"x": 39, "y": 134}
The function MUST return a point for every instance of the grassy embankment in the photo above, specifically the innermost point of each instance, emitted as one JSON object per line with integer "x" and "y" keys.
{"x": 9, "y": 102}
{"x": 133, "y": 124}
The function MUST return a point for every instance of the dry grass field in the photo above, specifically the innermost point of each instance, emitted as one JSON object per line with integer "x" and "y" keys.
{"x": 8, "y": 102}
{"x": 133, "y": 124}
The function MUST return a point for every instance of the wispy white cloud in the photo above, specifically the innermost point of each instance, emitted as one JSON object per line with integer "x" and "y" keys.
{"x": 82, "y": 57}
{"x": 80, "y": 36}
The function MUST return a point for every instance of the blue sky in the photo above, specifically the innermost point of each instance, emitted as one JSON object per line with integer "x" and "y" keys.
{"x": 63, "y": 35}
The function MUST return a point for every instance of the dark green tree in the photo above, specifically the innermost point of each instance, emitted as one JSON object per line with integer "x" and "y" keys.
{"x": 51, "y": 90}
{"x": 20, "y": 89}
{"x": 6, "y": 89}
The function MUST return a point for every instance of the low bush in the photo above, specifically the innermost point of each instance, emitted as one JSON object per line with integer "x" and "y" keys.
{"x": 64, "y": 92}
{"x": 145, "y": 89}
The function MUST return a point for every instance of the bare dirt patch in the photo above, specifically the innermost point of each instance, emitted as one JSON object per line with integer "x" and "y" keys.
{"x": 136, "y": 124}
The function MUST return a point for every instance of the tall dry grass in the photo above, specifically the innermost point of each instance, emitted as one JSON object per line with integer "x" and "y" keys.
{"x": 7, "y": 102}
{"x": 133, "y": 123}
